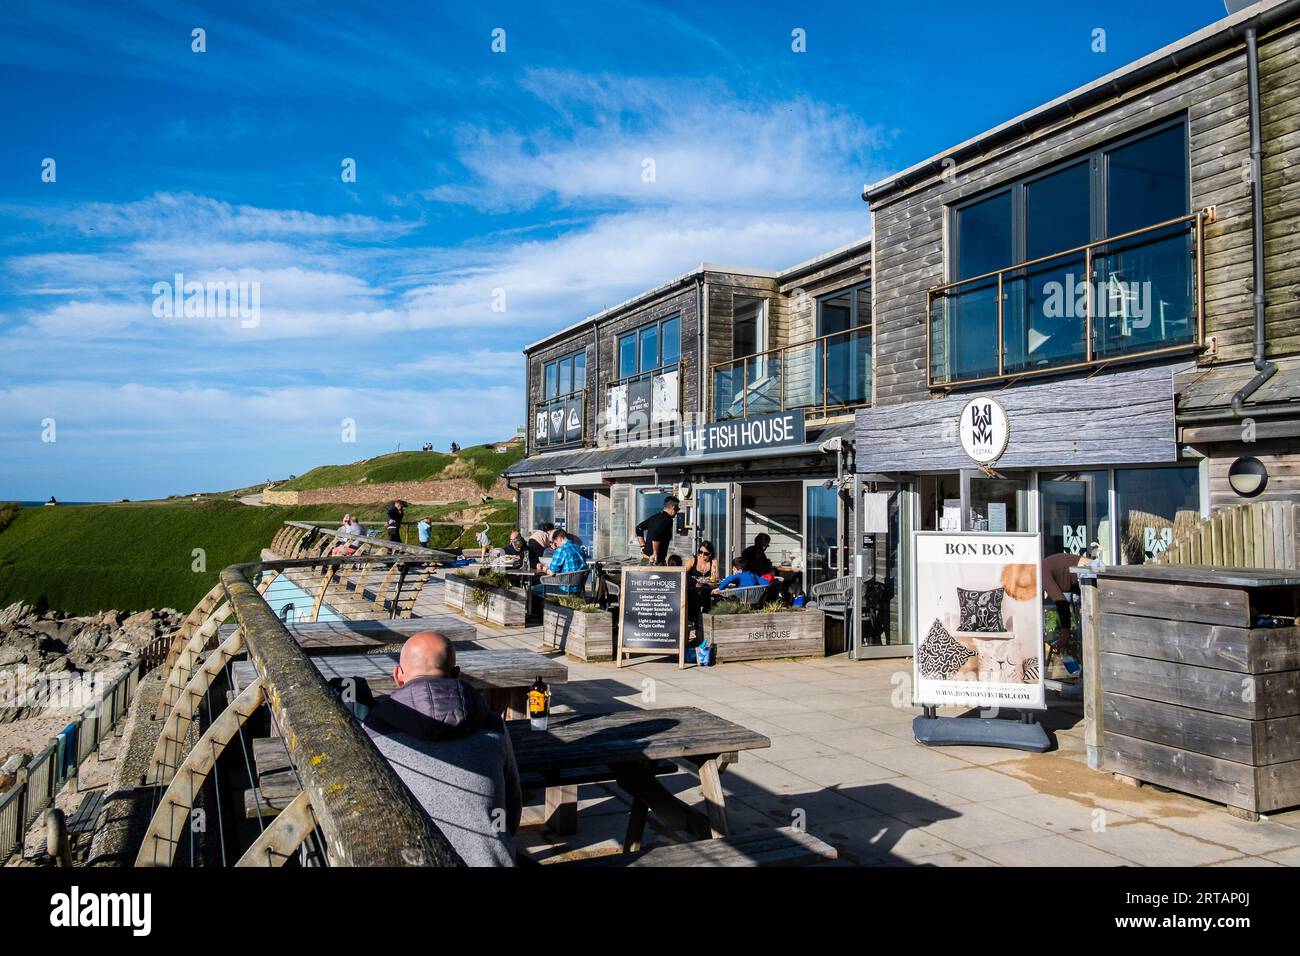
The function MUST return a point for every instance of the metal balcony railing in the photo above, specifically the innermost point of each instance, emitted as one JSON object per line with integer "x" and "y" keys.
{"x": 560, "y": 422}
{"x": 1133, "y": 295}
{"x": 646, "y": 405}
{"x": 826, "y": 374}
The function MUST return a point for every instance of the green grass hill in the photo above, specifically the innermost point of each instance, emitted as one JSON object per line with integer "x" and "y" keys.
{"x": 136, "y": 555}
{"x": 481, "y": 463}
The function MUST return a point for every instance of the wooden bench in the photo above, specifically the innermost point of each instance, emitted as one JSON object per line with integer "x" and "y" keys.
{"x": 87, "y": 812}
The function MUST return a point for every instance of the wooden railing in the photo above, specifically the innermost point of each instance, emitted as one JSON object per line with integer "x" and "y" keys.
{"x": 352, "y": 810}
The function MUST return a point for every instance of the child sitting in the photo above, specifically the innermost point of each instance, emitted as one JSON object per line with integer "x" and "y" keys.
{"x": 740, "y": 577}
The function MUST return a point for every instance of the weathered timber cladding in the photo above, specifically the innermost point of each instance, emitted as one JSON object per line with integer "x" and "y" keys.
{"x": 1240, "y": 649}
{"x": 751, "y": 637}
{"x": 580, "y": 340}
{"x": 1118, "y": 417}
{"x": 1191, "y": 695}
{"x": 909, "y": 224}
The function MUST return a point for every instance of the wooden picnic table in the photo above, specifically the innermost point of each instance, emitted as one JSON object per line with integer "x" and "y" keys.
{"x": 343, "y": 637}
{"x": 626, "y": 745}
{"x": 503, "y": 675}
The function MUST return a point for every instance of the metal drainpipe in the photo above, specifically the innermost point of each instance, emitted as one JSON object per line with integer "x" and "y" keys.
{"x": 1264, "y": 370}
{"x": 595, "y": 389}
{"x": 701, "y": 330}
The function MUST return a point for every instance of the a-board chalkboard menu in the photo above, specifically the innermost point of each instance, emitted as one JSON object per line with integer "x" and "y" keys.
{"x": 652, "y": 612}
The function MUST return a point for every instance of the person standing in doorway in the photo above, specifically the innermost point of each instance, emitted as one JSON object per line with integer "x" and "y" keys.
{"x": 656, "y": 532}
{"x": 395, "y": 511}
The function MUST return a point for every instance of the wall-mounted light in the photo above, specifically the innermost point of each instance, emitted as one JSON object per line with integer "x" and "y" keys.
{"x": 1247, "y": 477}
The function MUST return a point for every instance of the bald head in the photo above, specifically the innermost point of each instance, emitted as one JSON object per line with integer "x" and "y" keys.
{"x": 426, "y": 654}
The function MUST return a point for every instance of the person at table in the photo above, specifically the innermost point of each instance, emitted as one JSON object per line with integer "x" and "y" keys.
{"x": 656, "y": 532}
{"x": 538, "y": 543}
{"x": 740, "y": 577}
{"x": 701, "y": 575}
{"x": 516, "y": 547}
{"x": 755, "y": 556}
{"x": 566, "y": 558}
{"x": 451, "y": 751}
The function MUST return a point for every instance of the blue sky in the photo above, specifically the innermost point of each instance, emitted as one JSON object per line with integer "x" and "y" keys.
{"x": 476, "y": 172}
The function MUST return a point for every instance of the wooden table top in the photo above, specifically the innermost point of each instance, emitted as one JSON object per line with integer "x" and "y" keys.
{"x": 481, "y": 668}
{"x": 337, "y": 637}
{"x": 580, "y": 740}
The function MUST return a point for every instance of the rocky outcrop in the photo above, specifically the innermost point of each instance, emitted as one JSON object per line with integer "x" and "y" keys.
{"x": 34, "y": 646}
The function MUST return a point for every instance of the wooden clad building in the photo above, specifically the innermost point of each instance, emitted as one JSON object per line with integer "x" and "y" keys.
{"x": 1090, "y": 267}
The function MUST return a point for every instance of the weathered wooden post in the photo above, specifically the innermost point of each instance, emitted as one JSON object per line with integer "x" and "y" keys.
{"x": 1090, "y": 612}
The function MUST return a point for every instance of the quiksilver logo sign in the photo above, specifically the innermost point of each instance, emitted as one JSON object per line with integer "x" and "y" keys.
{"x": 77, "y": 909}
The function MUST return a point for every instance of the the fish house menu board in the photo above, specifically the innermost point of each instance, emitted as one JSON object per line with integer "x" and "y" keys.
{"x": 652, "y": 613}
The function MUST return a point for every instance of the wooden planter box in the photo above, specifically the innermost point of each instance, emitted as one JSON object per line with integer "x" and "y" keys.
{"x": 586, "y": 635}
{"x": 1194, "y": 698}
{"x": 754, "y": 637}
{"x": 506, "y": 608}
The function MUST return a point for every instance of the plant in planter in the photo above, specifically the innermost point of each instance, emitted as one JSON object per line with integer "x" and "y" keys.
{"x": 579, "y": 628}
{"x": 742, "y": 632}
{"x": 491, "y": 596}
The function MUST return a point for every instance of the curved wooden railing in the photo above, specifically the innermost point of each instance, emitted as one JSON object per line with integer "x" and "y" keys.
{"x": 353, "y": 807}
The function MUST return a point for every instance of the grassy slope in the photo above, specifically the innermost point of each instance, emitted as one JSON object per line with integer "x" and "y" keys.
{"x": 479, "y": 462}
{"x": 90, "y": 558}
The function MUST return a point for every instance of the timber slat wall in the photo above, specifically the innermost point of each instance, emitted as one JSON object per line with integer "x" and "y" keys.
{"x": 1193, "y": 696}
{"x": 1260, "y": 534}
{"x": 908, "y": 225}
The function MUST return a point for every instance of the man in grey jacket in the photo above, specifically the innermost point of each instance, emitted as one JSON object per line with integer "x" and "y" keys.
{"x": 451, "y": 752}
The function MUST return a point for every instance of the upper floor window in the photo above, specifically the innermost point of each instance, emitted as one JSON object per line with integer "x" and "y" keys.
{"x": 1046, "y": 275}
{"x": 650, "y": 348}
{"x": 565, "y": 376}
{"x": 748, "y": 326}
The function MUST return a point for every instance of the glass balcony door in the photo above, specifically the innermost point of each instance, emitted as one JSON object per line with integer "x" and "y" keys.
{"x": 714, "y": 514}
{"x": 821, "y": 533}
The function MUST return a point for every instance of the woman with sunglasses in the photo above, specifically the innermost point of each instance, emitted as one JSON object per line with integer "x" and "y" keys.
{"x": 702, "y": 578}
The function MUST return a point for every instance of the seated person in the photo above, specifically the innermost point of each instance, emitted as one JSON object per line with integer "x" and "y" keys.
{"x": 537, "y": 545}
{"x": 515, "y": 548}
{"x": 451, "y": 751}
{"x": 566, "y": 557}
{"x": 756, "y": 559}
{"x": 740, "y": 577}
{"x": 349, "y": 526}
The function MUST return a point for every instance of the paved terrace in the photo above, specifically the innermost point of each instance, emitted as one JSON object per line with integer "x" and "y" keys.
{"x": 843, "y": 760}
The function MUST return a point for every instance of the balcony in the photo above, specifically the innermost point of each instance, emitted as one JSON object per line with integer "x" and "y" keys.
{"x": 560, "y": 422}
{"x": 644, "y": 406}
{"x": 823, "y": 375}
{"x": 1129, "y": 296}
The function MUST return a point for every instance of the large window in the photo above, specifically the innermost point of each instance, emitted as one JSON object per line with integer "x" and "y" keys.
{"x": 560, "y": 417}
{"x": 644, "y": 401}
{"x": 1140, "y": 294}
{"x": 844, "y": 326}
{"x": 1075, "y": 513}
{"x": 566, "y": 375}
{"x": 543, "y": 506}
{"x": 1154, "y": 504}
{"x": 650, "y": 348}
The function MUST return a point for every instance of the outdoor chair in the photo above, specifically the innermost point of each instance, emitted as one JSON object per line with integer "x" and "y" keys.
{"x": 556, "y": 583}
{"x": 833, "y": 597}
{"x": 751, "y": 596}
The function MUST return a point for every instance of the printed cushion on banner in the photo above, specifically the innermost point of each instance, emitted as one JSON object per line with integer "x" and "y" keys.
{"x": 941, "y": 656}
{"x": 1031, "y": 671}
{"x": 980, "y": 610}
